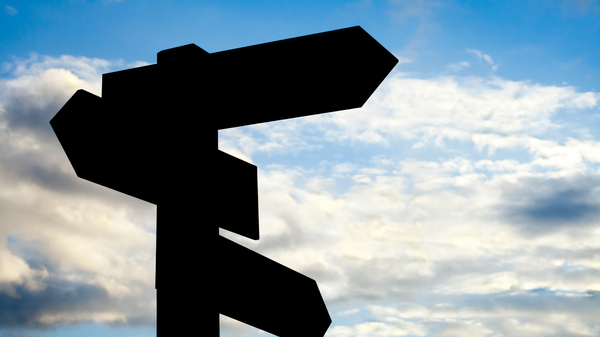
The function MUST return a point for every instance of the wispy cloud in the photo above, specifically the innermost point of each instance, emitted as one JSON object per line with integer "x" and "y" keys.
{"x": 10, "y": 10}
{"x": 483, "y": 56}
{"x": 422, "y": 9}
{"x": 402, "y": 59}
{"x": 455, "y": 67}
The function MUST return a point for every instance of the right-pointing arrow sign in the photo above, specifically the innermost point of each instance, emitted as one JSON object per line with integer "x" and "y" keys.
{"x": 269, "y": 296}
{"x": 296, "y": 77}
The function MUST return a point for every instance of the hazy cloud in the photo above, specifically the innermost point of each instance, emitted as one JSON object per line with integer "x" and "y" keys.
{"x": 455, "y": 67}
{"x": 10, "y": 10}
{"x": 421, "y": 9}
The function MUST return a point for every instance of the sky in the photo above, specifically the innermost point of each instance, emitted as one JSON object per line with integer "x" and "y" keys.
{"x": 461, "y": 200}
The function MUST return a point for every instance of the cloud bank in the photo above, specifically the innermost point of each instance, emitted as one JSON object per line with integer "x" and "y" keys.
{"x": 445, "y": 206}
{"x": 71, "y": 251}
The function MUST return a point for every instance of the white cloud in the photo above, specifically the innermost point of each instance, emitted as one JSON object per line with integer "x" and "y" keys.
{"x": 348, "y": 312}
{"x": 376, "y": 329}
{"x": 422, "y": 110}
{"x": 15, "y": 271}
{"x": 137, "y": 64}
{"x": 572, "y": 155}
{"x": 480, "y": 284}
{"x": 455, "y": 67}
{"x": 483, "y": 56}
{"x": 75, "y": 317}
{"x": 402, "y": 59}
{"x": 378, "y": 229}
{"x": 67, "y": 233}
{"x": 87, "y": 69}
{"x": 388, "y": 241}
{"x": 455, "y": 328}
{"x": 454, "y": 108}
{"x": 489, "y": 319}
{"x": 417, "y": 226}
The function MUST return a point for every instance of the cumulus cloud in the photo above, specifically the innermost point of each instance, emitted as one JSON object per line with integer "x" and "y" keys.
{"x": 466, "y": 240}
{"x": 71, "y": 250}
{"x": 14, "y": 272}
{"x": 436, "y": 244}
{"x": 425, "y": 111}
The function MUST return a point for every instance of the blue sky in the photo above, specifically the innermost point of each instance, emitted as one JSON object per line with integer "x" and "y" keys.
{"x": 461, "y": 200}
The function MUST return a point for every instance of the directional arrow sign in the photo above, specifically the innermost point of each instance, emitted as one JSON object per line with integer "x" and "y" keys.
{"x": 302, "y": 76}
{"x": 267, "y": 295}
{"x": 153, "y": 135}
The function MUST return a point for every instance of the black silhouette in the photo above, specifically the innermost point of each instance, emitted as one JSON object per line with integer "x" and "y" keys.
{"x": 153, "y": 135}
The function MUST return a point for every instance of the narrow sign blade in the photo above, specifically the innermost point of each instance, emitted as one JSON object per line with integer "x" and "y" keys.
{"x": 301, "y": 76}
{"x": 267, "y": 295}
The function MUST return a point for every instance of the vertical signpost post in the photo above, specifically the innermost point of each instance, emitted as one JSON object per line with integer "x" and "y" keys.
{"x": 153, "y": 135}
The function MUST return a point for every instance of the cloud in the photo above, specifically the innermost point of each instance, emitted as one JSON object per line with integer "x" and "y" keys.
{"x": 388, "y": 226}
{"x": 452, "y": 328}
{"x": 417, "y": 227}
{"x": 71, "y": 250}
{"x": 421, "y": 9}
{"x": 137, "y": 64}
{"x": 483, "y": 56}
{"x": 426, "y": 111}
{"x": 375, "y": 329}
{"x": 41, "y": 85}
{"x": 538, "y": 206}
{"x": 10, "y": 10}
{"x": 395, "y": 206}
{"x": 402, "y": 59}
{"x": 14, "y": 271}
{"x": 230, "y": 327}
{"x": 455, "y": 67}
{"x": 568, "y": 9}
{"x": 271, "y": 138}
{"x": 348, "y": 312}
{"x": 69, "y": 302}
{"x": 87, "y": 69}
{"x": 480, "y": 284}
{"x": 546, "y": 315}
{"x": 477, "y": 232}
{"x": 572, "y": 155}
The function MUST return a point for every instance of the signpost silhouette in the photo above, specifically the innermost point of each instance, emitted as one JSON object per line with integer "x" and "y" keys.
{"x": 153, "y": 135}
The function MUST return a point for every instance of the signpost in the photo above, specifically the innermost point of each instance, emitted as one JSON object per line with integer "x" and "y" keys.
{"x": 153, "y": 136}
